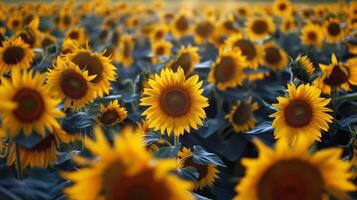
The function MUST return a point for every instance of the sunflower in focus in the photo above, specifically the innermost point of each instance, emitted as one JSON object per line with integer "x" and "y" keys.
{"x": 125, "y": 171}
{"x": 96, "y": 64}
{"x": 311, "y": 35}
{"x": 292, "y": 172}
{"x": 78, "y": 34}
{"x": 180, "y": 25}
{"x": 15, "y": 53}
{"x": 112, "y": 114}
{"x": 303, "y": 69}
{"x": 71, "y": 84}
{"x": 241, "y": 115}
{"x": 207, "y": 174}
{"x": 126, "y": 49}
{"x": 27, "y": 104}
{"x": 175, "y": 103}
{"x": 282, "y": 8}
{"x": 203, "y": 31}
{"x": 227, "y": 71}
{"x": 161, "y": 48}
{"x": 274, "y": 57}
{"x": 333, "y": 30}
{"x": 301, "y": 115}
{"x": 187, "y": 58}
{"x": 337, "y": 75}
{"x": 259, "y": 28}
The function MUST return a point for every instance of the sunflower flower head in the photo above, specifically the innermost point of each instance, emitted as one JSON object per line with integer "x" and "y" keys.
{"x": 302, "y": 68}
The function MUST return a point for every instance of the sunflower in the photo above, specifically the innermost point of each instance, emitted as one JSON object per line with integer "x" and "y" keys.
{"x": 333, "y": 30}
{"x": 112, "y": 52}
{"x": 69, "y": 46}
{"x": 228, "y": 26}
{"x": 31, "y": 34}
{"x": 175, "y": 104}
{"x": 143, "y": 128}
{"x": 282, "y": 8}
{"x": 311, "y": 35}
{"x": 15, "y": 53}
{"x": 187, "y": 58}
{"x": 203, "y": 31}
{"x": 71, "y": 84}
{"x": 301, "y": 115}
{"x": 64, "y": 20}
{"x": 78, "y": 34}
{"x": 27, "y": 104}
{"x": 126, "y": 49}
{"x": 159, "y": 32}
{"x": 303, "y": 69}
{"x": 42, "y": 154}
{"x": 243, "y": 11}
{"x": 47, "y": 40}
{"x": 111, "y": 114}
{"x": 288, "y": 25}
{"x": 180, "y": 25}
{"x": 96, "y": 64}
{"x": 274, "y": 57}
{"x": 125, "y": 171}
{"x": 294, "y": 173}
{"x": 227, "y": 71}
{"x": 160, "y": 49}
{"x": 207, "y": 174}
{"x": 2, "y": 35}
{"x": 259, "y": 28}
{"x": 337, "y": 75}
{"x": 14, "y": 22}
{"x": 247, "y": 47}
{"x": 241, "y": 115}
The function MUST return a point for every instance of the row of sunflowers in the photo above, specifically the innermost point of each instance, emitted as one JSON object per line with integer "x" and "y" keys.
{"x": 122, "y": 100}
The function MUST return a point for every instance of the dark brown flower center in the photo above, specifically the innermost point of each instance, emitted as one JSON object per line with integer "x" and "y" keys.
{"x": 46, "y": 42}
{"x": 30, "y": 105}
{"x": 282, "y": 6}
{"x": 291, "y": 180}
{"x": 229, "y": 25}
{"x": 201, "y": 169}
{"x": 127, "y": 49}
{"x": 272, "y": 55}
{"x": 247, "y": 48}
{"x": 67, "y": 20}
{"x": 109, "y": 117}
{"x": 204, "y": 29}
{"x": 159, "y": 35}
{"x": 28, "y": 38}
{"x": 242, "y": 12}
{"x": 109, "y": 51}
{"x": 312, "y": 36}
{"x": 160, "y": 50}
{"x": 298, "y": 113}
{"x": 334, "y": 29}
{"x": 85, "y": 60}
{"x": 242, "y": 114}
{"x": 44, "y": 144}
{"x": 15, "y": 23}
{"x": 225, "y": 70}
{"x": 175, "y": 102}
{"x": 260, "y": 27}
{"x": 184, "y": 61}
{"x": 74, "y": 35}
{"x": 182, "y": 24}
{"x": 13, "y": 55}
{"x": 337, "y": 76}
{"x": 73, "y": 84}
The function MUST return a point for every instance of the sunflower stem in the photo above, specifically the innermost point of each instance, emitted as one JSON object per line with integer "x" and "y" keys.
{"x": 18, "y": 163}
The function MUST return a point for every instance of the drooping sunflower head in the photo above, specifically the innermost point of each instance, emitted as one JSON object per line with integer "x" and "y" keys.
{"x": 27, "y": 104}
{"x": 180, "y": 25}
{"x": 175, "y": 103}
{"x": 301, "y": 115}
{"x": 204, "y": 30}
{"x": 126, "y": 47}
{"x": 71, "y": 84}
{"x": 160, "y": 49}
{"x": 333, "y": 30}
{"x": 241, "y": 115}
{"x": 302, "y": 68}
{"x": 337, "y": 75}
{"x": 294, "y": 173}
{"x": 15, "y": 53}
{"x": 187, "y": 58}
{"x": 126, "y": 171}
{"x": 274, "y": 57}
{"x": 282, "y": 8}
{"x": 227, "y": 71}
{"x": 207, "y": 174}
{"x": 311, "y": 35}
{"x": 112, "y": 114}
{"x": 96, "y": 64}
{"x": 259, "y": 28}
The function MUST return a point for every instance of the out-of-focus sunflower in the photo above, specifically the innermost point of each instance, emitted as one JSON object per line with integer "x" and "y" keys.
{"x": 282, "y": 8}
{"x": 2, "y": 35}
{"x": 42, "y": 154}
{"x": 175, "y": 103}
{"x": 352, "y": 47}
{"x": 47, "y": 40}
{"x": 112, "y": 114}
{"x": 96, "y": 64}
{"x": 227, "y": 71}
{"x": 180, "y": 25}
{"x": 333, "y": 30}
{"x": 247, "y": 47}
{"x": 228, "y": 26}
{"x": 274, "y": 57}
{"x": 126, "y": 49}
{"x": 14, "y": 53}
{"x": 311, "y": 35}
{"x": 288, "y": 25}
{"x": 207, "y": 174}
{"x": 187, "y": 58}
{"x": 243, "y": 11}
{"x": 337, "y": 75}
{"x": 132, "y": 21}
{"x": 159, "y": 49}
{"x": 27, "y": 104}
{"x": 71, "y": 84}
{"x": 63, "y": 20}
{"x": 126, "y": 171}
{"x": 241, "y": 115}
{"x": 78, "y": 34}
{"x": 159, "y": 32}
{"x": 31, "y": 34}
{"x": 301, "y": 115}
{"x": 275, "y": 173}
{"x": 69, "y": 46}
{"x": 112, "y": 52}
{"x": 204, "y": 30}
{"x": 303, "y": 69}
{"x": 14, "y": 22}
{"x": 143, "y": 128}
{"x": 259, "y": 28}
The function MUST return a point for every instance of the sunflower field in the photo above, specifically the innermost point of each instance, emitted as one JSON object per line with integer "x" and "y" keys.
{"x": 178, "y": 100}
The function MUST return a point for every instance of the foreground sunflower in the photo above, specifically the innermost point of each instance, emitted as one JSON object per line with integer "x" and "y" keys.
{"x": 274, "y": 57}
{"x": 241, "y": 115}
{"x": 15, "y": 53}
{"x": 311, "y": 35}
{"x": 187, "y": 58}
{"x": 337, "y": 75}
{"x": 259, "y": 28}
{"x": 71, "y": 84}
{"x": 207, "y": 174}
{"x": 175, "y": 104}
{"x": 112, "y": 114}
{"x": 227, "y": 71}
{"x": 301, "y": 115}
{"x": 125, "y": 171}
{"x": 295, "y": 173}
{"x": 27, "y": 104}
